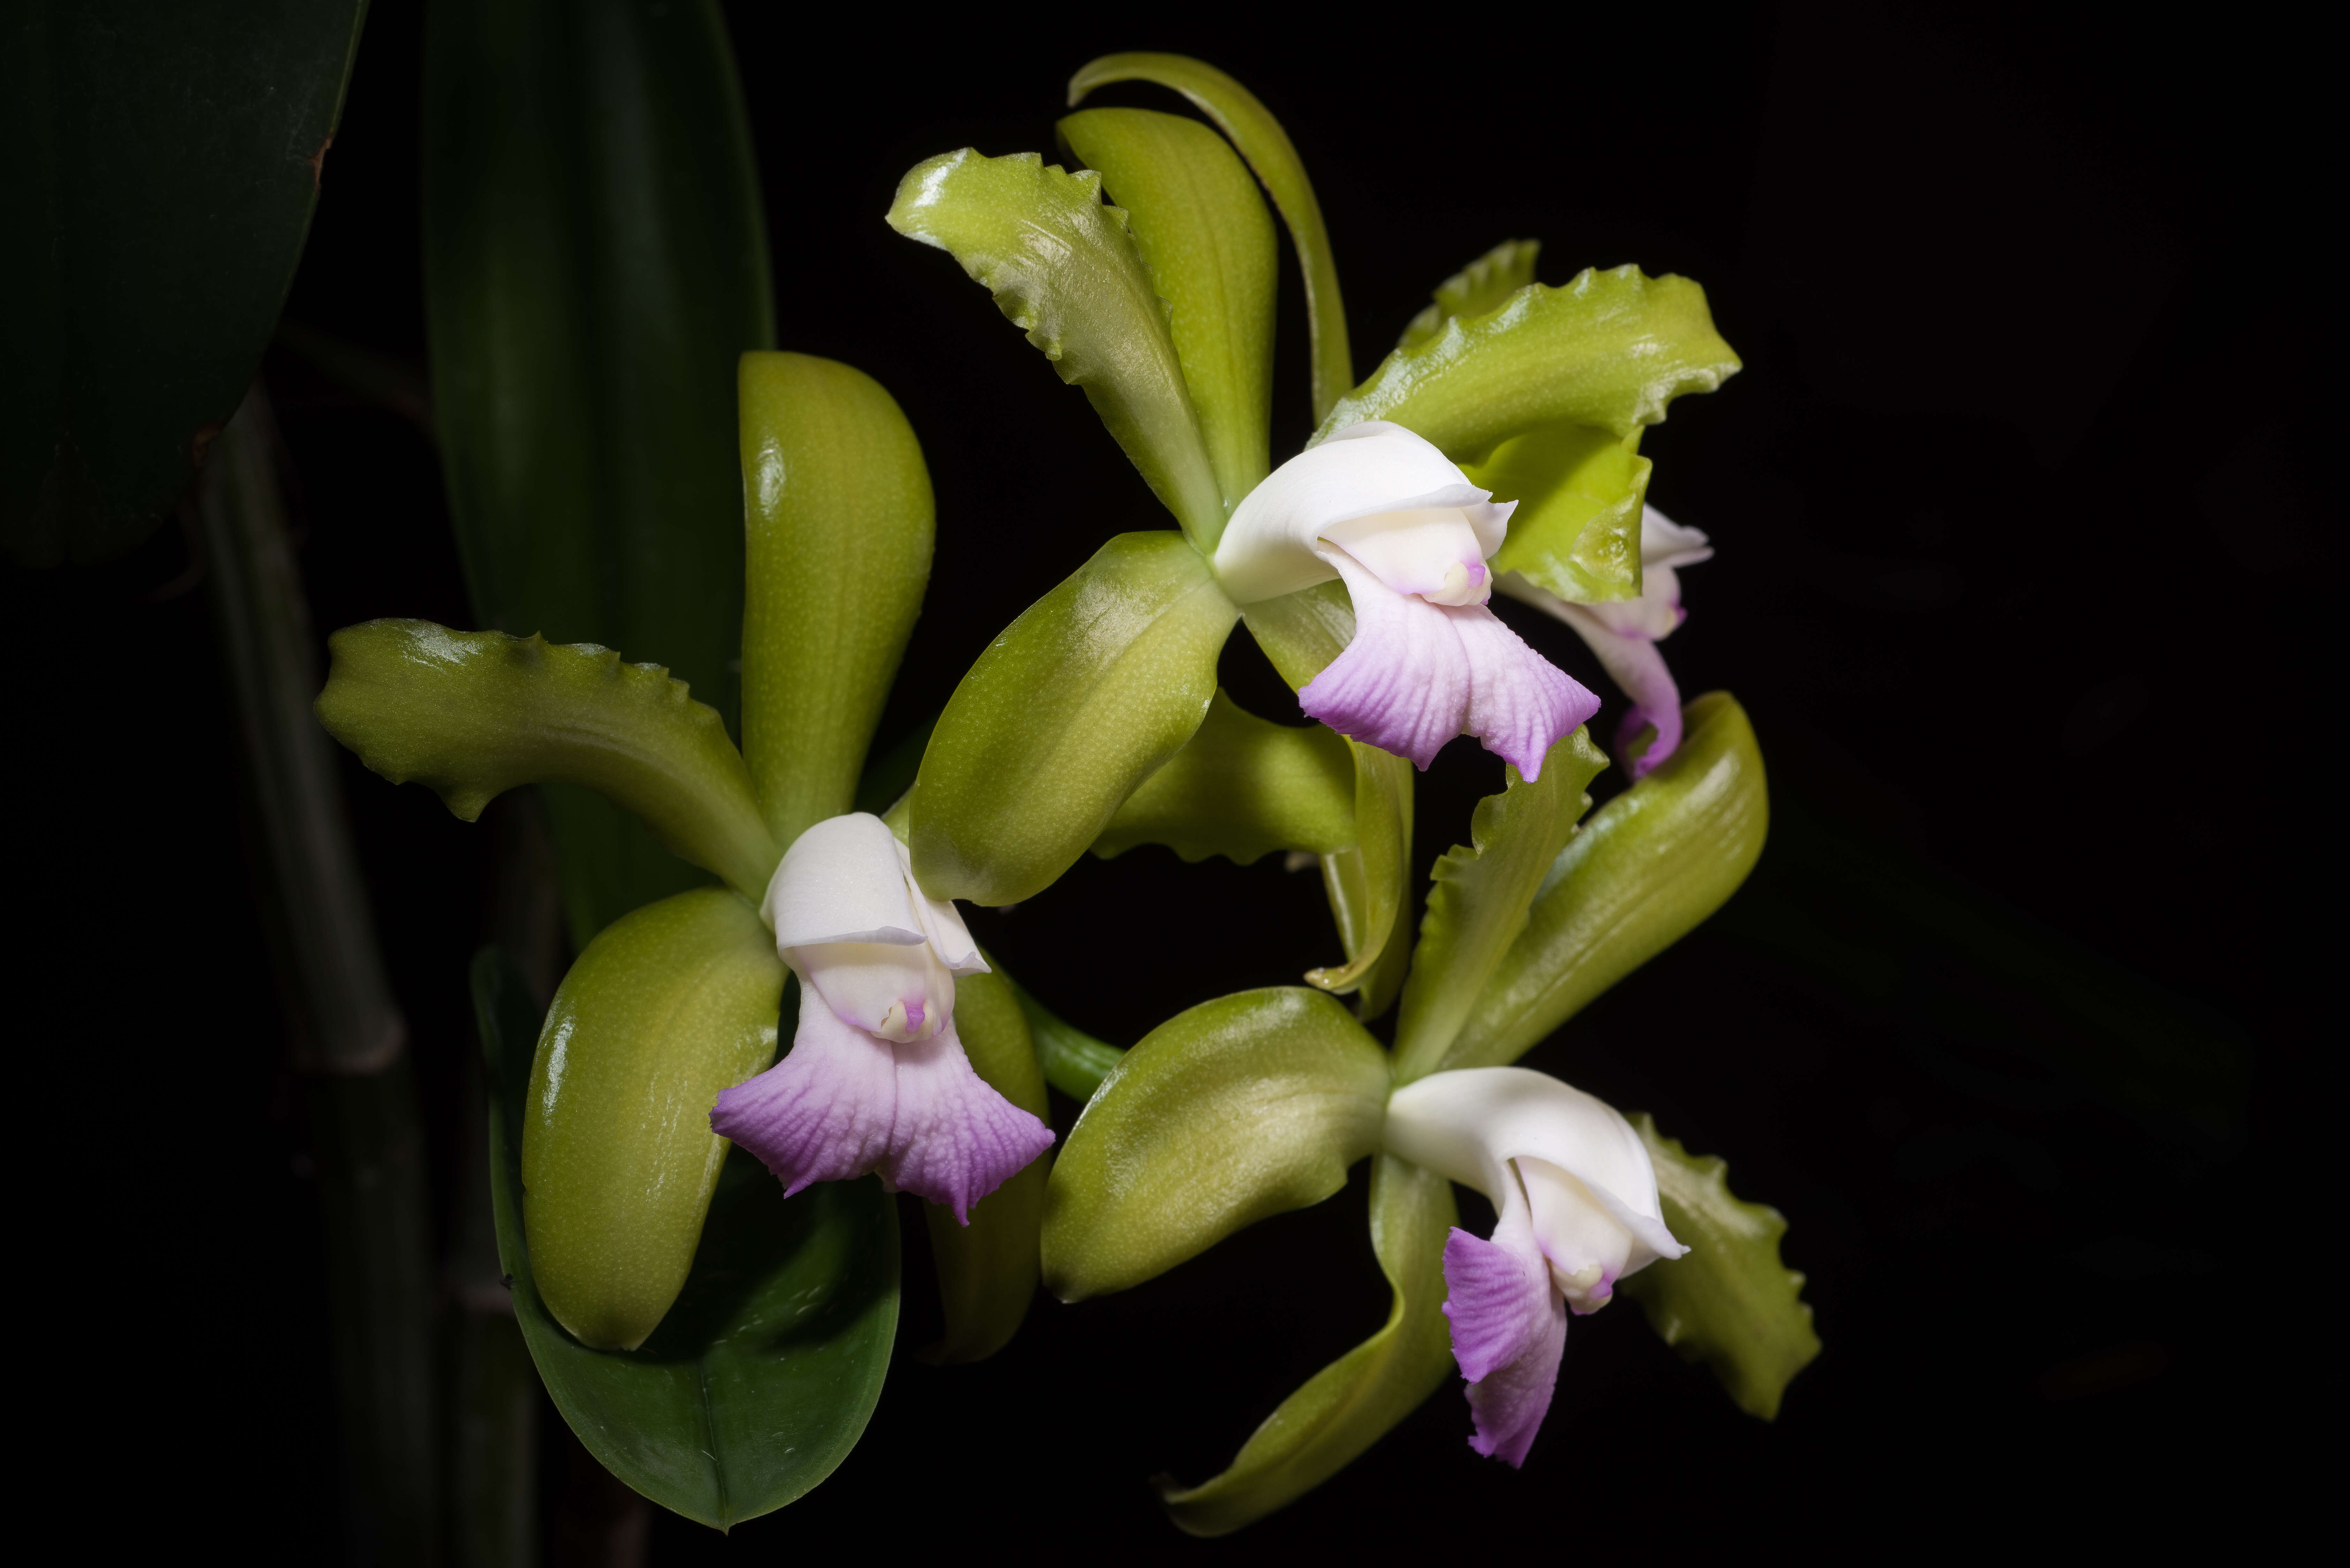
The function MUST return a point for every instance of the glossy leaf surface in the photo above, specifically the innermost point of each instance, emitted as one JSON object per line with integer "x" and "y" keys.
{"x": 165, "y": 160}
{"x": 1195, "y": 214}
{"x": 1579, "y": 491}
{"x": 1483, "y": 286}
{"x": 1482, "y": 890}
{"x": 1242, "y": 787}
{"x": 1094, "y": 687}
{"x": 837, "y": 522}
{"x": 594, "y": 266}
{"x": 670, "y": 1005}
{"x": 1730, "y": 1302}
{"x": 471, "y": 714}
{"x": 1608, "y": 349}
{"x": 1237, "y": 1109}
{"x": 763, "y": 1374}
{"x": 1353, "y": 1402}
{"x": 1642, "y": 873}
{"x": 1270, "y": 153}
{"x": 1062, "y": 269}
{"x": 987, "y": 1269}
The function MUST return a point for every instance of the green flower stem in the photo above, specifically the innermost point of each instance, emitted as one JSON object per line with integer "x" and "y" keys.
{"x": 1074, "y": 1062}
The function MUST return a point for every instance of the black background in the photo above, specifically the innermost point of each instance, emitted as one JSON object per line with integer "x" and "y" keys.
{"x": 2024, "y": 531}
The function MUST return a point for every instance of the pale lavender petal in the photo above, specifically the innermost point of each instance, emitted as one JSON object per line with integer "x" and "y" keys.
{"x": 823, "y": 1113}
{"x": 1637, "y": 667}
{"x": 956, "y": 1139}
{"x": 1402, "y": 684}
{"x": 1509, "y": 1334}
{"x": 1519, "y": 703}
{"x": 1665, "y": 542}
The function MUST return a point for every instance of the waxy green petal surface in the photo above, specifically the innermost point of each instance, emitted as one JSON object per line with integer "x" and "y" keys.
{"x": 1194, "y": 213}
{"x": 762, "y": 1375}
{"x": 1577, "y": 530}
{"x": 471, "y": 714}
{"x": 987, "y": 1269}
{"x": 595, "y": 264}
{"x": 837, "y": 524}
{"x": 1484, "y": 284}
{"x": 1356, "y": 1399}
{"x": 1061, "y": 267}
{"x": 1081, "y": 700}
{"x": 1640, "y": 875}
{"x": 1609, "y": 349}
{"x": 1242, "y": 787}
{"x": 1269, "y": 152}
{"x": 670, "y": 1005}
{"x": 1478, "y": 906}
{"x": 1730, "y": 1302}
{"x": 1237, "y": 1109}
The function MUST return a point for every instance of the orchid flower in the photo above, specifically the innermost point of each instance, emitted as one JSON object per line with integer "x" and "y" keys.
{"x": 1578, "y": 1212}
{"x": 1385, "y": 512}
{"x": 1624, "y": 635}
{"x": 875, "y": 1080}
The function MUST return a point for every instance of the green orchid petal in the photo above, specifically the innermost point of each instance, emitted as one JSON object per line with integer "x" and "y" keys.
{"x": 1478, "y": 906}
{"x": 670, "y": 1005}
{"x": 1081, "y": 700}
{"x": 1062, "y": 267}
{"x": 837, "y": 521}
{"x": 1242, "y": 787}
{"x": 987, "y": 1269}
{"x": 1730, "y": 1302}
{"x": 471, "y": 714}
{"x": 1240, "y": 1108}
{"x": 1643, "y": 872}
{"x": 1356, "y": 1399}
{"x": 1579, "y": 491}
{"x": 1195, "y": 214}
{"x": 1074, "y": 1062}
{"x": 1609, "y": 349}
{"x": 1484, "y": 284}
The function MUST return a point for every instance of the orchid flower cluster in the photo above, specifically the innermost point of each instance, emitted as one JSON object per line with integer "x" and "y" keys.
{"x": 1496, "y": 447}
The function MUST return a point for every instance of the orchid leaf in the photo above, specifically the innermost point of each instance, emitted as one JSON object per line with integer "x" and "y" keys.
{"x": 1366, "y": 884}
{"x": 1195, "y": 214}
{"x": 1730, "y": 1302}
{"x": 763, "y": 1374}
{"x": 1480, "y": 286}
{"x": 1478, "y": 906}
{"x": 1237, "y": 1109}
{"x": 1352, "y": 1403}
{"x": 987, "y": 1269}
{"x": 471, "y": 714}
{"x": 1094, "y": 688}
{"x": 670, "y": 1005}
{"x": 1639, "y": 875}
{"x": 164, "y": 161}
{"x": 1064, "y": 269}
{"x": 1270, "y": 153}
{"x": 838, "y": 520}
{"x": 1609, "y": 349}
{"x": 595, "y": 264}
{"x": 1579, "y": 491}
{"x": 1242, "y": 787}
{"x": 1074, "y": 1062}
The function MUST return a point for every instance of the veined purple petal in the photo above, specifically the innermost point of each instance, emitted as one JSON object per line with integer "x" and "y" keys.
{"x": 1519, "y": 703}
{"x": 1635, "y": 663}
{"x": 955, "y": 1139}
{"x": 823, "y": 1113}
{"x": 1508, "y": 1334}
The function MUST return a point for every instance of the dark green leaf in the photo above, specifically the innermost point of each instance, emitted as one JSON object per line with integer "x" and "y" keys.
{"x": 168, "y": 159}
{"x": 1242, "y": 787}
{"x": 762, "y": 1376}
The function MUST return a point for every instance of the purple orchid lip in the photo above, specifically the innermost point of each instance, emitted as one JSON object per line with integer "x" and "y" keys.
{"x": 1509, "y": 1336}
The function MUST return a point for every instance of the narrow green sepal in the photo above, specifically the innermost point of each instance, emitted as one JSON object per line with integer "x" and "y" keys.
{"x": 1355, "y": 1400}
{"x": 1242, "y": 787}
{"x": 1576, "y": 529}
{"x": 471, "y": 714}
{"x": 987, "y": 1269}
{"x": 1087, "y": 694}
{"x": 1478, "y": 905}
{"x": 1074, "y": 1062}
{"x": 1730, "y": 1302}
{"x": 1639, "y": 875}
{"x": 837, "y": 523}
{"x": 1064, "y": 269}
{"x": 1194, "y": 213}
{"x": 1608, "y": 349}
{"x": 1484, "y": 285}
{"x": 1240, "y": 1108}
